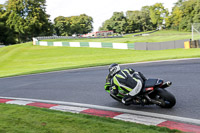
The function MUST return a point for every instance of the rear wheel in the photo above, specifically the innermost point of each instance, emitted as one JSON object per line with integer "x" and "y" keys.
{"x": 168, "y": 100}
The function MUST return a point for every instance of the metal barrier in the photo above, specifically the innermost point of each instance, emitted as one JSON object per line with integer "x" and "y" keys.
{"x": 160, "y": 45}
{"x": 137, "y": 46}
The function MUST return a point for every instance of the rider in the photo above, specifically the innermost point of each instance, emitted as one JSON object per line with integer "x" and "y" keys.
{"x": 126, "y": 80}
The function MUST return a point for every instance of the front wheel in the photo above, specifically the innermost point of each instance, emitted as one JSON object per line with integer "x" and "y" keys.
{"x": 168, "y": 100}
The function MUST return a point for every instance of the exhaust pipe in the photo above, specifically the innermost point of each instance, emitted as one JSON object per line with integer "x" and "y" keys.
{"x": 166, "y": 84}
{"x": 153, "y": 101}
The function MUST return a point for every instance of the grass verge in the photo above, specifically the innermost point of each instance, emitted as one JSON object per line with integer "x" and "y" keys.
{"x": 27, "y": 59}
{"x": 27, "y": 119}
{"x": 159, "y": 36}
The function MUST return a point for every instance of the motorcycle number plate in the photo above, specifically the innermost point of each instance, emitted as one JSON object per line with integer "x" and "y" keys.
{"x": 149, "y": 89}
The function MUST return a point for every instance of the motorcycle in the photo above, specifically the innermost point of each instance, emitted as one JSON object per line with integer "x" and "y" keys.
{"x": 153, "y": 92}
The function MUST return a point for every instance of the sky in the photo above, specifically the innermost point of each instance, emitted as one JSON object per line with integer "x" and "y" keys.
{"x": 99, "y": 10}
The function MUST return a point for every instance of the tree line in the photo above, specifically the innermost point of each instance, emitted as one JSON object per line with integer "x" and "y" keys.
{"x": 20, "y": 20}
{"x": 184, "y": 13}
{"x": 67, "y": 26}
{"x": 148, "y": 18}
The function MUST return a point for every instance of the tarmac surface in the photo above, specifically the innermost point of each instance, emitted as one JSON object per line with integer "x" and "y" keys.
{"x": 87, "y": 86}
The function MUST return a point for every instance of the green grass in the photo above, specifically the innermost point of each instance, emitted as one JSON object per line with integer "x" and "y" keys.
{"x": 159, "y": 36}
{"x": 26, "y": 58}
{"x": 27, "y": 119}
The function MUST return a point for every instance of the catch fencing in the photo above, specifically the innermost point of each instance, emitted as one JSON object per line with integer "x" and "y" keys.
{"x": 71, "y": 37}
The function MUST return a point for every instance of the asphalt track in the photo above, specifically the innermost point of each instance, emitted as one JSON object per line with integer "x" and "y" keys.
{"x": 87, "y": 86}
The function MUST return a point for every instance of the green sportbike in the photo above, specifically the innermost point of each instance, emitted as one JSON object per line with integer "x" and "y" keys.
{"x": 153, "y": 93}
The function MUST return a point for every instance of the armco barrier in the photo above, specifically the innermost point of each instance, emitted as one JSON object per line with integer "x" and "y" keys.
{"x": 135, "y": 46}
{"x": 87, "y": 44}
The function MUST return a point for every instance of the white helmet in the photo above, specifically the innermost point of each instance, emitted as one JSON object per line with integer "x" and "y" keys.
{"x": 113, "y": 69}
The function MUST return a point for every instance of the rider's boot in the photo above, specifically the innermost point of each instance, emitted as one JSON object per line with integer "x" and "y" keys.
{"x": 127, "y": 100}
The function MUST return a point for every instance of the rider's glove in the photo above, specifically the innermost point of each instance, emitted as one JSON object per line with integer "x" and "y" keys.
{"x": 107, "y": 86}
{"x": 114, "y": 91}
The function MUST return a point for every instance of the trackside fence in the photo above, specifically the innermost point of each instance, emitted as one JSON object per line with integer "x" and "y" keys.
{"x": 70, "y": 37}
{"x": 160, "y": 45}
{"x": 136, "y": 46}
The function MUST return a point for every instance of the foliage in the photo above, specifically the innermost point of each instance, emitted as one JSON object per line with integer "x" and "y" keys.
{"x": 6, "y": 34}
{"x": 157, "y": 14}
{"x": 139, "y": 20}
{"x": 65, "y": 26}
{"x": 148, "y": 18}
{"x": 134, "y": 20}
{"x": 117, "y": 23}
{"x": 25, "y": 19}
{"x": 184, "y": 13}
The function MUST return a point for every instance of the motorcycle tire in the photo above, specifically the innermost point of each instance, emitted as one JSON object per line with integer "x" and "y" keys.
{"x": 166, "y": 97}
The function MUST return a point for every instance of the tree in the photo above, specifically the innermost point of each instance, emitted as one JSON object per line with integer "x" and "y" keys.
{"x": 134, "y": 20}
{"x": 175, "y": 18}
{"x": 60, "y": 26}
{"x": 6, "y": 34}
{"x": 107, "y": 25}
{"x": 81, "y": 24}
{"x": 139, "y": 20}
{"x": 117, "y": 23}
{"x": 196, "y": 18}
{"x": 184, "y": 13}
{"x": 188, "y": 14}
{"x": 158, "y": 14}
{"x": 146, "y": 20}
{"x": 28, "y": 18}
{"x": 65, "y": 26}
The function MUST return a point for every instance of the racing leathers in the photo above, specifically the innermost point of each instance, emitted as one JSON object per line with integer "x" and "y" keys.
{"x": 126, "y": 83}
